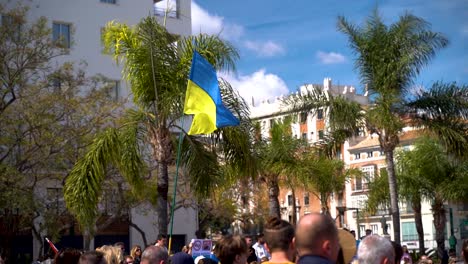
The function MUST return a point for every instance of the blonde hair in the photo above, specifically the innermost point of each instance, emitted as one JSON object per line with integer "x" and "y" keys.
{"x": 134, "y": 249}
{"x": 112, "y": 255}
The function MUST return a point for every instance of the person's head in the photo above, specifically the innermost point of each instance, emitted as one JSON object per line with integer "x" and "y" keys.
{"x": 112, "y": 254}
{"x": 248, "y": 240}
{"x": 67, "y": 255}
{"x": 260, "y": 238}
{"x": 405, "y": 249}
{"x": 368, "y": 232}
{"x": 465, "y": 251}
{"x": 279, "y": 236}
{"x": 92, "y": 257}
{"x": 136, "y": 251}
{"x": 316, "y": 234}
{"x": 231, "y": 249}
{"x": 375, "y": 249}
{"x": 181, "y": 258}
{"x": 120, "y": 245}
{"x": 353, "y": 233}
{"x": 154, "y": 255}
{"x": 398, "y": 251}
{"x": 162, "y": 240}
{"x": 128, "y": 259}
{"x": 425, "y": 260}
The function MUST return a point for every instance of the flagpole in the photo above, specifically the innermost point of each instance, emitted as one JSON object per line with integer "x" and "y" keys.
{"x": 181, "y": 136}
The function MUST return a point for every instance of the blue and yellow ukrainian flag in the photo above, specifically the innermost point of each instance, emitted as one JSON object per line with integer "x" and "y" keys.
{"x": 203, "y": 99}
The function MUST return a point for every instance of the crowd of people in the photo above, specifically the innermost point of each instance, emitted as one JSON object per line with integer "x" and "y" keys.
{"x": 315, "y": 239}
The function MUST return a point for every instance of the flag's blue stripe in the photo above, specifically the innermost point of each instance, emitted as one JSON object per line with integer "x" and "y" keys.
{"x": 204, "y": 75}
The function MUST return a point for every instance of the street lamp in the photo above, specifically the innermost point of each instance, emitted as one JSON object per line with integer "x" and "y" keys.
{"x": 342, "y": 209}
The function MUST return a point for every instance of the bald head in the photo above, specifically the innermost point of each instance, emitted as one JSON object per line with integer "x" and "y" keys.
{"x": 316, "y": 234}
{"x": 154, "y": 255}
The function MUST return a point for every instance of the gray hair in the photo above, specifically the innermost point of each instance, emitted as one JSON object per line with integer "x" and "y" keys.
{"x": 154, "y": 254}
{"x": 373, "y": 249}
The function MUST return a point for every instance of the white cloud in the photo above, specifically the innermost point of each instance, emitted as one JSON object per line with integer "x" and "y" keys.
{"x": 204, "y": 22}
{"x": 265, "y": 49}
{"x": 259, "y": 85}
{"x": 330, "y": 57}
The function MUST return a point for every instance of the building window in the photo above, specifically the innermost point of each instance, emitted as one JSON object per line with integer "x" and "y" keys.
{"x": 320, "y": 114}
{"x": 61, "y": 34}
{"x": 320, "y": 134}
{"x": 369, "y": 172}
{"x": 109, "y": 1}
{"x": 362, "y": 229}
{"x": 382, "y": 153}
{"x": 272, "y": 122}
{"x": 290, "y": 200}
{"x": 303, "y": 117}
{"x": 374, "y": 228}
{"x": 358, "y": 184}
{"x": 169, "y": 7}
{"x": 115, "y": 92}
{"x": 370, "y": 154}
{"x": 55, "y": 200}
{"x": 306, "y": 199}
{"x": 357, "y": 156}
{"x": 57, "y": 85}
{"x": 304, "y": 136}
{"x": 10, "y": 22}
{"x": 409, "y": 231}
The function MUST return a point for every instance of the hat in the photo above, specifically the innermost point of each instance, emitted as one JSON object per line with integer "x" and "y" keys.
{"x": 347, "y": 244}
{"x": 181, "y": 258}
{"x": 198, "y": 259}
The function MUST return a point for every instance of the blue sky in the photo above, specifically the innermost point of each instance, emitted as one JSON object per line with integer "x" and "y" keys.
{"x": 284, "y": 44}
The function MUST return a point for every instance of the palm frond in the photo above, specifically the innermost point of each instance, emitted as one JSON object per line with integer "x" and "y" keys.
{"x": 218, "y": 52}
{"x": 443, "y": 111}
{"x": 83, "y": 186}
{"x": 201, "y": 164}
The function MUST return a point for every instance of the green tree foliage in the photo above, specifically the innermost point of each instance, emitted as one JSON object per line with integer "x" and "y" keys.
{"x": 426, "y": 173}
{"x": 277, "y": 158}
{"x": 157, "y": 70}
{"x": 48, "y": 115}
{"x": 324, "y": 176}
{"x": 388, "y": 58}
{"x": 431, "y": 172}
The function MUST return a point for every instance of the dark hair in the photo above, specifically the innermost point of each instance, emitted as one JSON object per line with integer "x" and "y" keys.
{"x": 278, "y": 234}
{"x": 465, "y": 250}
{"x": 67, "y": 255}
{"x": 228, "y": 247}
{"x": 340, "y": 258}
{"x": 398, "y": 251}
{"x": 161, "y": 236}
{"x": 92, "y": 257}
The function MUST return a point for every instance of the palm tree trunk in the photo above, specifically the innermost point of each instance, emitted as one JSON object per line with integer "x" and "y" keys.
{"x": 324, "y": 202}
{"x": 273, "y": 192}
{"x": 161, "y": 200}
{"x": 416, "y": 203}
{"x": 294, "y": 208}
{"x": 392, "y": 186}
{"x": 438, "y": 212}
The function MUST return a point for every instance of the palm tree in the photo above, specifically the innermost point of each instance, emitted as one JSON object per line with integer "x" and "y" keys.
{"x": 157, "y": 69}
{"x": 436, "y": 177}
{"x": 388, "y": 60}
{"x": 324, "y": 176}
{"x": 277, "y": 158}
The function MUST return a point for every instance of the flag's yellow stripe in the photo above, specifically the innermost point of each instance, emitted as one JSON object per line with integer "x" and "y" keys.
{"x": 199, "y": 103}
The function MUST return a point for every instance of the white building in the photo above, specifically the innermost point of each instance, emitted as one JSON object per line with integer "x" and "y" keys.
{"x": 79, "y": 24}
